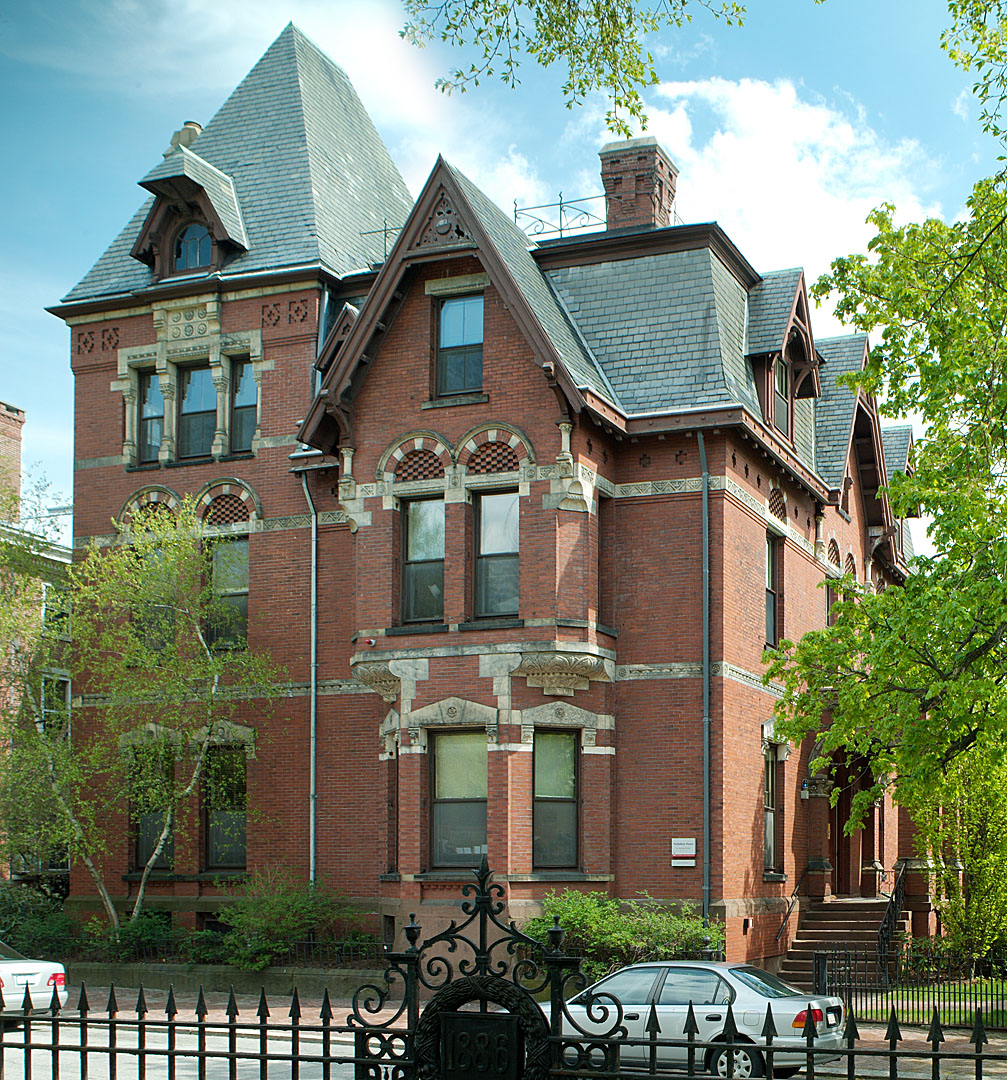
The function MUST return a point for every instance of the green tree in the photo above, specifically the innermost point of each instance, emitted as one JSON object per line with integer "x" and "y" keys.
{"x": 164, "y": 659}
{"x": 962, "y": 828}
{"x": 909, "y": 685}
{"x": 602, "y": 42}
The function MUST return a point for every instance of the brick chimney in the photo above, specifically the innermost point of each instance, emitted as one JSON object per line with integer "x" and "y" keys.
{"x": 639, "y": 180}
{"x": 11, "y": 422}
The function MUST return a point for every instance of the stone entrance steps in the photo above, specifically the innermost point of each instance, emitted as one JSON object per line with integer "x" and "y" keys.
{"x": 836, "y": 923}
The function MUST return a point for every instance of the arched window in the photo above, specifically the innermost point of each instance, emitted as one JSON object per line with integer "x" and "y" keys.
{"x": 193, "y": 247}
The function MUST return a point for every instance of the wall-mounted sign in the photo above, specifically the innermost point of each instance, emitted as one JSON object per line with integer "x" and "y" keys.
{"x": 683, "y": 851}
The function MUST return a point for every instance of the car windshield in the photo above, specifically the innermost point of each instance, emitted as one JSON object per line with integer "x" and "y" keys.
{"x": 7, "y": 953}
{"x": 765, "y": 984}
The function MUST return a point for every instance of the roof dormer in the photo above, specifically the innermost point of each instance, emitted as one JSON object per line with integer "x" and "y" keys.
{"x": 195, "y": 221}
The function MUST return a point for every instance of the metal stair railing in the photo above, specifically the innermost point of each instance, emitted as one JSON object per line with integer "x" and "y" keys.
{"x": 890, "y": 919}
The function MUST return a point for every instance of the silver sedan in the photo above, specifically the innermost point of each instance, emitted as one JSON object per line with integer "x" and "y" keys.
{"x": 670, "y": 986}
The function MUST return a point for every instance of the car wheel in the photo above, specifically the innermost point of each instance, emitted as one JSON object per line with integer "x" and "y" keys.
{"x": 747, "y": 1062}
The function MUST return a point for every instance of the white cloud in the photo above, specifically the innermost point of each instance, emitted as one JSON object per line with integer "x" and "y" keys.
{"x": 960, "y": 106}
{"x": 790, "y": 180}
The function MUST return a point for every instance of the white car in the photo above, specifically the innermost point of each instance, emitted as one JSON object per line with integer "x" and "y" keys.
{"x": 38, "y": 977}
{"x": 672, "y": 984}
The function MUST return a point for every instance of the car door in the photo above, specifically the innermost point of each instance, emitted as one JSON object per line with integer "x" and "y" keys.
{"x": 634, "y": 989}
{"x": 709, "y": 995}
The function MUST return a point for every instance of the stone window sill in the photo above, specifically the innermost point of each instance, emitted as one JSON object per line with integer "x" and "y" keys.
{"x": 491, "y": 624}
{"x": 455, "y": 399}
{"x": 773, "y": 875}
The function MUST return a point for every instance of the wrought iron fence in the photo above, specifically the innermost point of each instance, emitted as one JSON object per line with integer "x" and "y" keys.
{"x": 915, "y": 981}
{"x": 285, "y": 1040}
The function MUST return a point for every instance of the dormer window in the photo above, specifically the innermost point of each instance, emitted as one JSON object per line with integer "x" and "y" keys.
{"x": 193, "y": 248}
{"x": 781, "y": 396}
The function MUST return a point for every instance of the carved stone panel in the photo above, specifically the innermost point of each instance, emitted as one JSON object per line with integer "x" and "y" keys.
{"x": 561, "y": 673}
{"x": 378, "y": 676}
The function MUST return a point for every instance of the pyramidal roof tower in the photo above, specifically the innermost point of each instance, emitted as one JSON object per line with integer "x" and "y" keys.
{"x": 291, "y": 170}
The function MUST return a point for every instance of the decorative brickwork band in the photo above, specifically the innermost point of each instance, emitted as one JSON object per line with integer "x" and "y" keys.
{"x": 379, "y": 677}
{"x": 484, "y": 449}
{"x": 406, "y": 446}
{"x": 226, "y": 510}
{"x": 778, "y": 504}
{"x": 147, "y": 496}
{"x": 227, "y": 501}
{"x": 493, "y": 457}
{"x": 561, "y": 673}
{"x": 419, "y": 465}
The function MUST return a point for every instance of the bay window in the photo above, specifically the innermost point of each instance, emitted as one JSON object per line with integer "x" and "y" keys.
{"x": 555, "y": 800}
{"x": 458, "y": 820}
{"x": 497, "y": 536}
{"x": 423, "y": 561}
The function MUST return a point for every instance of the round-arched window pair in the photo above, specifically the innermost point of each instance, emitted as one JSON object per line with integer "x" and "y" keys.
{"x": 193, "y": 247}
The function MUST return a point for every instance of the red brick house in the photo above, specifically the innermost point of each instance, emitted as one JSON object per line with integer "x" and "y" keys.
{"x": 520, "y": 517}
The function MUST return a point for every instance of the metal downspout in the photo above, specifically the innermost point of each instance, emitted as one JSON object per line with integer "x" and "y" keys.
{"x": 313, "y": 741}
{"x": 706, "y": 679}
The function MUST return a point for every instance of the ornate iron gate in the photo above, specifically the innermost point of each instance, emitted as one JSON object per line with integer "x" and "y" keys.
{"x": 485, "y": 963}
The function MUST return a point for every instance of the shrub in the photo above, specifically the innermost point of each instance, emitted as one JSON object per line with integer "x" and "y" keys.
{"x": 275, "y": 911}
{"x": 32, "y": 921}
{"x": 610, "y": 933}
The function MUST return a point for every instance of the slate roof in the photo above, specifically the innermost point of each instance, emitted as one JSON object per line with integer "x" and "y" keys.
{"x": 514, "y": 248}
{"x": 666, "y": 329}
{"x": 219, "y": 187}
{"x": 835, "y": 408}
{"x": 895, "y": 442}
{"x": 769, "y": 306}
{"x": 309, "y": 170}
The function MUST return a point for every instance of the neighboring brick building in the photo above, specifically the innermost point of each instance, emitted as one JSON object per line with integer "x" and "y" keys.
{"x": 504, "y": 486}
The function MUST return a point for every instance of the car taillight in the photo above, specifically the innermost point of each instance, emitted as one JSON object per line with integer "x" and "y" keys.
{"x": 58, "y": 978}
{"x": 802, "y": 1017}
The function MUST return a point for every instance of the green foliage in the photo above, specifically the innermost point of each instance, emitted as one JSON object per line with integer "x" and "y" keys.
{"x": 601, "y": 42}
{"x": 962, "y": 828}
{"x": 32, "y": 921}
{"x": 275, "y": 910}
{"x": 164, "y": 695}
{"x": 610, "y": 933}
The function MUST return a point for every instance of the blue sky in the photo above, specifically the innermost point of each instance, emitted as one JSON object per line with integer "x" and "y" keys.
{"x": 787, "y": 131}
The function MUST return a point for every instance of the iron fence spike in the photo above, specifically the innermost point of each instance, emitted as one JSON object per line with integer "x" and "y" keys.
{"x": 936, "y": 1033}
{"x": 326, "y": 1012}
{"x": 730, "y": 1027}
{"x": 979, "y": 1038}
{"x": 3, "y": 1004}
{"x": 231, "y": 1011}
{"x": 113, "y": 1005}
{"x": 769, "y": 1025}
{"x": 54, "y": 1005}
{"x": 852, "y": 1031}
{"x": 810, "y": 1030}
{"x": 691, "y": 1027}
{"x": 653, "y": 1028}
{"x": 894, "y": 1032}
{"x": 170, "y": 1008}
{"x": 26, "y": 1005}
{"x": 295, "y": 1006}
{"x": 82, "y": 1005}
{"x": 141, "y": 1004}
{"x": 262, "y": 1012}
{"x": 201, "y": 1009}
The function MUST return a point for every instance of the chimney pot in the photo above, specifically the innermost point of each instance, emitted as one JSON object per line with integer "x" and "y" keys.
{"x": 185, "y": 136}
{"x": 639, "y": 179}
